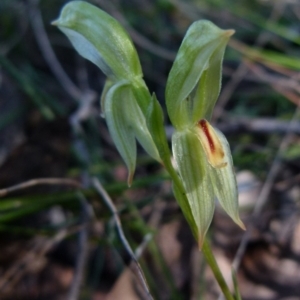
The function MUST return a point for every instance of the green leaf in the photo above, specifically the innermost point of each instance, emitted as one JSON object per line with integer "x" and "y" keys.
{"x": 193, "y": 169}
{"x": 99, "y": 38}
{"x": 119, "y": 128}
{"x": 224, "y": 182}
{"x": 202, "y": 48}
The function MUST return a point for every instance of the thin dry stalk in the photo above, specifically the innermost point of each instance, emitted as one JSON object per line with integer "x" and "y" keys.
{"x": 39, "y": 181}
{"x": 134, "y": 265}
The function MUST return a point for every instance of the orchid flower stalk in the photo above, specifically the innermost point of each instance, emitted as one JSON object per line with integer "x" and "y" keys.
{"x": 204, "y": 169}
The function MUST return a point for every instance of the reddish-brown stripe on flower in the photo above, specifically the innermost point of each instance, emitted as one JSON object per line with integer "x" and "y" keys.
{"x": 203, "y": 124}
{"x": 211, "y": 144}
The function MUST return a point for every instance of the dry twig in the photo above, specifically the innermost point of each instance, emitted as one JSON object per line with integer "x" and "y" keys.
{"x": 39, "y": 181}
{"x": 39, "y": 249}
{"x": 135, "y": 265}
{"x": 138, "y": 38}
{"x": 48, "y": 53}
{"x": 255, "y": 125}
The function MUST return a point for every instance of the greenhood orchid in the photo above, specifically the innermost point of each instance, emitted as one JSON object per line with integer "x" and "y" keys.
{"x": 100, "y": 38}
{"x": 201, "y": 152}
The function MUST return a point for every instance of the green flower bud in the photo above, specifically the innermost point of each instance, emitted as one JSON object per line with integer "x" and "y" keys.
{"x": 125, "y": 98}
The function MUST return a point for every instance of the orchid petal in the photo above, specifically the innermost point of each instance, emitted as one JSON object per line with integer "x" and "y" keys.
{"x": 200, "y": 55}
{"x": 117, "y": 122}
{"x": 193, "y": 169}
{"x": 137, "y": 121}
{"x": 224, "y": 182}
{"x": 99, "y": 38}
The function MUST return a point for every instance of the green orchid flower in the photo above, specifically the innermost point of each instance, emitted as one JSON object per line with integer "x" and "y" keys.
{"x": 100, "y": 38}
{"x": 201, "y": 152}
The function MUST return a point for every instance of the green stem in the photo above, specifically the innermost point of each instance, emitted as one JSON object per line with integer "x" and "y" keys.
{"x": 206, "y": 249}
{"x": 159, "y": 137}
{"x": 209, "y": 256}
